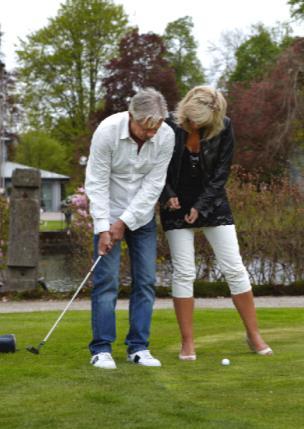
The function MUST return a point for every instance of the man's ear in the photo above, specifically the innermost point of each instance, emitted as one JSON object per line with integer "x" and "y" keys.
{"x": 130, "y": 116}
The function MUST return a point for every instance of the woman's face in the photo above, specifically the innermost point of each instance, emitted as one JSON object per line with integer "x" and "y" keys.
{"x": 193, "y": 126}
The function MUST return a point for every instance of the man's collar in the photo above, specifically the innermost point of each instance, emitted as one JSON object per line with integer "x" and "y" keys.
{"x": 124, "y": 133}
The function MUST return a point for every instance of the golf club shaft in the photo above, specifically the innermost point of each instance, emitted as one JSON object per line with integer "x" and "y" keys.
{"x": 72, "y": 299}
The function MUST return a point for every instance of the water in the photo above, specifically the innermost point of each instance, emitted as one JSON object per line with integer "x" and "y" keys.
{"x": 56, "y": 270}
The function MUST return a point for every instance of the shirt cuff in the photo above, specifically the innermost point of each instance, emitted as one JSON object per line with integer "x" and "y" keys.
{"x": 129, "y": 219}
{"x": 101, "y": 225}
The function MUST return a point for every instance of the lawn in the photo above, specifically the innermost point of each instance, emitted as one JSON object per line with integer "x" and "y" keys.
{"x": 59, "y": 389}
{"x": 52, "y": 225}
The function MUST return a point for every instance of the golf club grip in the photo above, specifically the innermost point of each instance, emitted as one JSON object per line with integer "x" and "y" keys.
{"x": 72, "y": 299}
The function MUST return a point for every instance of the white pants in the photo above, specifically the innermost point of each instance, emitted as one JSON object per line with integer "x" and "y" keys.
{"x": 224, "y": 242}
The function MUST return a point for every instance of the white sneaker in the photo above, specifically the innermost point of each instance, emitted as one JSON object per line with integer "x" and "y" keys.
{"x": 143, "y": 357}
{"x": 103, "y": 360}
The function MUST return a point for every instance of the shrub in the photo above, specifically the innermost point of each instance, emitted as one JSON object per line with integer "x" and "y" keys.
{"x": 270, "y": 224}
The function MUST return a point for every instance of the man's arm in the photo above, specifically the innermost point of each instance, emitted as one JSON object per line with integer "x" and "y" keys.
{"x": 98, "y": 180}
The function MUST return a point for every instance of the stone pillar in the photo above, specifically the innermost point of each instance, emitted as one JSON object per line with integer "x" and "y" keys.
{"x": 23, "y": 243}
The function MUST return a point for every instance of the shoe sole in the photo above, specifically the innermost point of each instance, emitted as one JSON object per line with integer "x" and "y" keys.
{"x": 142, "y": 364}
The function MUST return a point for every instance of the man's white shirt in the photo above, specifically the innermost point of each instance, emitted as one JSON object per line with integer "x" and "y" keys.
{"x": 120, "y": 182}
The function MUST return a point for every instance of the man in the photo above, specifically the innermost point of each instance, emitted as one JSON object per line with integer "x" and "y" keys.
{"x": 125, "y": 174}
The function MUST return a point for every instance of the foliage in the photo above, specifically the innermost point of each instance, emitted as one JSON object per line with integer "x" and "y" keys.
{"x": 181, "y": 53}
{"x": 297, "y": 8}
{"x": 256, "y": 55}
{"x": 267, "y": 115}
{"x": 4, "y": 223}
{"x": 270, "y": 224}
{"x": 245, "y": 57}
{"x": 37, "y": 149}
{"x": 140, "y": 64}
{"x": 81, "y": 230}
{"x": 179, "y": 395}
{"x": 9, "y": 109}
{"x": 62, "y": 63}
{"x": 223, "y": 60}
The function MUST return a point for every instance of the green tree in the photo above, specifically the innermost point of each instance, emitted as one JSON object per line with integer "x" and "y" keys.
{"x": 61, "y": 65}
{"x": 258, "y": 53}
{"x": 297, "y": 8}
{"x": 182, "y": 54}
{"x": 39, "y": 150}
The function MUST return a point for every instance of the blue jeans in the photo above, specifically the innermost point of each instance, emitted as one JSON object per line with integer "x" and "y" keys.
{"x": 142, "y": 251}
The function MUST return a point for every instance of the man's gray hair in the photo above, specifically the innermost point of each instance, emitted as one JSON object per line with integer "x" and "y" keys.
{"x": 148, "y": 105}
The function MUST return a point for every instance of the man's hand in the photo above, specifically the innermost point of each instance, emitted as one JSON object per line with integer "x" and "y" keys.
{"x": 191, "y": 218}
{"x": 173, "y": 203}
{"x": 117, "y": 231}
{"x": 105, "y": 243}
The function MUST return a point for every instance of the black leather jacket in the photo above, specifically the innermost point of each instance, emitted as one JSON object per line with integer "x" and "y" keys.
{"x": 215, "y": 158}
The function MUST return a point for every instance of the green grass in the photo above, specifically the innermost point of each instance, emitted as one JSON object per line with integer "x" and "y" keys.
{"x": 59, "y": 389}
{"x": 52, "y": 225}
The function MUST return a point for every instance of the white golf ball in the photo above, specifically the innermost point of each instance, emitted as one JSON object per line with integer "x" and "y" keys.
{"x": 225, "y": 362}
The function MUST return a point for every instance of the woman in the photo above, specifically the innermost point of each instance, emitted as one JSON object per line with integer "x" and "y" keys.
{"x": 195, "y": 197}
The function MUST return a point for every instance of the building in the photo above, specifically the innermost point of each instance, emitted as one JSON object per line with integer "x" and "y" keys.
{"x": 52, "y": 186}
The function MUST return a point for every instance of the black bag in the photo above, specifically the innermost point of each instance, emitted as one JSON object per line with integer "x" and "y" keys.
{"x": 7, "y": 343}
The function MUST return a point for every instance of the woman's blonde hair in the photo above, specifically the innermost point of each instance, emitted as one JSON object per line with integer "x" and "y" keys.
{"x": 206, "y": 107}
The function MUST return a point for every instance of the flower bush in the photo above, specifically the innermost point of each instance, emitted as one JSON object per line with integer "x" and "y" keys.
{"x": 81, "y": 231}
{"x": 82, "y": 235}
{"x": 269, "y": 221}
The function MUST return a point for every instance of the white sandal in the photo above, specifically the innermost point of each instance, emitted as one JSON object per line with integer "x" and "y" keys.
{"x": 267, "y": 351}
{"x": 187, "y": 357}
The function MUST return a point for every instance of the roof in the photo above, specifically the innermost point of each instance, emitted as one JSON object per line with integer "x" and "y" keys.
{"x": 9, "y": 167}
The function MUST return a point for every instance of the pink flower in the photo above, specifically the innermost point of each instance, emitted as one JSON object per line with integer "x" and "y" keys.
{"x": 82, "y": 213}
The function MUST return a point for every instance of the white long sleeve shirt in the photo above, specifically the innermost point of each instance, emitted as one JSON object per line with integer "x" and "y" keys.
{"x": 120, "y": 182}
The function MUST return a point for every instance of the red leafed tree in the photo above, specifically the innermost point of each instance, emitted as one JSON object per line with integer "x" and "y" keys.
{"x": 267, "y": 114}
{"x": 140, "y": 64}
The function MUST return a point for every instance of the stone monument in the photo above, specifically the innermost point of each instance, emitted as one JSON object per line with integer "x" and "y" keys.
{"x": 23, "y": 243}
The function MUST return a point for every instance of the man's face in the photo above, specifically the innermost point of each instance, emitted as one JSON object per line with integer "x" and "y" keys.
{"x": 142, "y": 130}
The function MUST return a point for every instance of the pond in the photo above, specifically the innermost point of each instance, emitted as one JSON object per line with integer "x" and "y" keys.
{"x": 56, "y": 272}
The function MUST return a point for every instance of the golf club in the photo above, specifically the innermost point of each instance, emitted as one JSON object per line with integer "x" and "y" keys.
{"x": 35, "y": 350}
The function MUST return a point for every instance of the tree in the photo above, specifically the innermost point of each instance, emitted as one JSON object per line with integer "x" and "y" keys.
{"x": 297, "y": 8}
{"x": 268, "y": 115}
{"x": 140, "y": 64}
{"x": 181, "y": 54}
{"x": 62, "y": 63}
{"x": 223, "y": 56}
{"x": 256, "y": 55}
{"x": 39, "y": 150}
{"x": 9, "y": 113}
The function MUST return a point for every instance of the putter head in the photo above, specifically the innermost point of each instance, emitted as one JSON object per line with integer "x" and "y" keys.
{"x": 33, "y": 350}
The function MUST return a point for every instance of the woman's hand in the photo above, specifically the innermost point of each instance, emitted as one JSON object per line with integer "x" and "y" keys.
{"x": 192, "y": 216}
{"x": 173, "y": 203}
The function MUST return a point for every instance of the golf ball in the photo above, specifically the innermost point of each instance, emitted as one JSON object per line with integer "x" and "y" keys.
{"x": 225, "y": 362}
